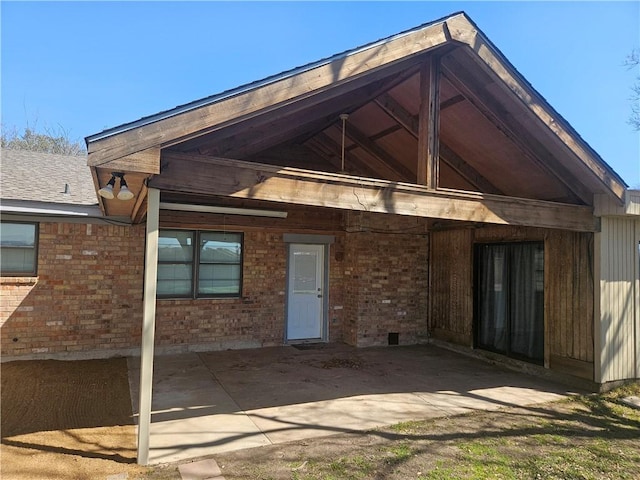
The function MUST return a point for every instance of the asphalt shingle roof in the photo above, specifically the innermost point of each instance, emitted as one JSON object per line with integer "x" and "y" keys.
{"x": 44, "y": 177}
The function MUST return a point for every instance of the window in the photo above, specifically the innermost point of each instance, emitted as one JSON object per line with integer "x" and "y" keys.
{"x": 510, "y": 299}
{"x": 18, "y": 249}
{"x": 199, "y": 264}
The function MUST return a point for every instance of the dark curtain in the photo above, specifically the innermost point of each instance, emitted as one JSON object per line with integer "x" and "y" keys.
{"x": 511, "y": 299}
{"x": 493, "y": 301}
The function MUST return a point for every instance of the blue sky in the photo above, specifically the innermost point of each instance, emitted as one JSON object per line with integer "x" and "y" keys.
{"x": 87, "y": 66}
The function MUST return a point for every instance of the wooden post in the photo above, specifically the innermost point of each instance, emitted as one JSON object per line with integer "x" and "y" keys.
{"x": 148, "y": 324}
{"x": 429, "y": 123}
{"x": 433, "y": 139}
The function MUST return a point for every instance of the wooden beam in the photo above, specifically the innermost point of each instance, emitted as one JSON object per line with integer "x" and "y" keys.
{"x": 146, "y": 161}
{"x": 139, "y": 209}
{"x": 293, "y": 121}
{"x": 423, "y": 126}
{"x": 462, "y": 30}
{"x": 433, "y": 137}
{"x": 467, "y": 171}
{"x": 450, "y": 102}
{"x": 396, "y": 111}
{"x": 97, "y": 186}
{"x": 478, "y": 96}
{"x": 376, "y": 61}
{"x": 384, "y": 160}
{"x": 262, "y": 132}
{"x": 429, "y": 123}
{"x": 411, "y": 125}
{"x": 202, "y": 175}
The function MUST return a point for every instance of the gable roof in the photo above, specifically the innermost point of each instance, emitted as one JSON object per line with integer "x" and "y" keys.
{"x": 499, "y": 135}
{"x": 45, "y": 177}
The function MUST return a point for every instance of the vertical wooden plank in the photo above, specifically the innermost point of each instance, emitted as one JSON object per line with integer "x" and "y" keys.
{"x": 578, "y": 302}
{"x": 589, "y": 298}
{"x": 429, "y": 124}
{"x": 433, "y": 154}
{"x": 423, "y": 126}
{"x": 452, "y": 286}
{"x": 148, "y": 324}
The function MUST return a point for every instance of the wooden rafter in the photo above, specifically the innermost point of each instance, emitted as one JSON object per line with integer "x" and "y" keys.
{"x": 410, "y": 124}
{"x": 488, "y": 107}
{"x": 264, "y": 131}
{"x": 450, "y": 102}
{"x": 323, "y": 145}
{"x": 140, "y": 208}
{"x": 381, "y": 156}
{"x": 398, "y": 113}
{"x": 364, "y": 65}
{"x": 461, "y": 29}
{"x": 195, "y": 174}
{"x": 467, "y": 171}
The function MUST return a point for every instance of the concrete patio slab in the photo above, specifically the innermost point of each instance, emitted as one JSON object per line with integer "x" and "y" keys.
{"x": 191, "y": 412}
{"x": 207, "y": 403}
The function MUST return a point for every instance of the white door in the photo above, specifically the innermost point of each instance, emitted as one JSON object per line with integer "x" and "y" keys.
{"x": 305, "y": 311}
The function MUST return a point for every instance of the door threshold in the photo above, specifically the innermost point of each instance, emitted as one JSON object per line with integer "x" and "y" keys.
{"x": 309, "y": 345}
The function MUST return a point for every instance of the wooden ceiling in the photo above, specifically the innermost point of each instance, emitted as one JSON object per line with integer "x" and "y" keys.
{"x": 482, "y": 149}
{"x": 491, "y": 133}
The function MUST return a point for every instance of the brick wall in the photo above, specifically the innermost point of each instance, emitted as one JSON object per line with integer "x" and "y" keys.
{"x": 87, "y": 297}
{"x": 255, "y": 320}
{"x": 386, "y": 279}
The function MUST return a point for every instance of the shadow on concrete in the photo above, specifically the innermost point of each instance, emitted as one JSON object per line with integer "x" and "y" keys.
{"x": 205, "y": 403}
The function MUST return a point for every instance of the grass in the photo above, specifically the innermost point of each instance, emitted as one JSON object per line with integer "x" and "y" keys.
{"x": 587, "y": 438}
{"x": 561, "y": 448}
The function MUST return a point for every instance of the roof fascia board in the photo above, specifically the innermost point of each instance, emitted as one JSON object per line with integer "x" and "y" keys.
{"x": 48, "y": 208}
{"x": 464, "y": 31}
{"x": 166, "y": 129}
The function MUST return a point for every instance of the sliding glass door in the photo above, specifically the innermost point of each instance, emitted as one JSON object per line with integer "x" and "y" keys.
{"x": 509, "y": 301}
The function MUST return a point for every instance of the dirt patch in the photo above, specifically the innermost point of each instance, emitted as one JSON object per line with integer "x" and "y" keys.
{"x": 66, "y": 420}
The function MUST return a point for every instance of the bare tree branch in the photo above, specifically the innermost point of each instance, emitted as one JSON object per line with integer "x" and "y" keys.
{"x": 632, "y": 61}
{"x": 50, "y": 141}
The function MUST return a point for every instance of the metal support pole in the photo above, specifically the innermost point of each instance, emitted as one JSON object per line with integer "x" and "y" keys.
{"x": 148, "y": 324}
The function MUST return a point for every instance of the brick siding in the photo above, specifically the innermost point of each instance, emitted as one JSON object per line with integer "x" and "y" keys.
{"x": 87, "y": 296}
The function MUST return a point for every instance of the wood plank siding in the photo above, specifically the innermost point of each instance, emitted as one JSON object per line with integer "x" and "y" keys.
{"x": 451, "y": 279}
{"x": 617, "y": 263}
{"x": 568, "y": 290}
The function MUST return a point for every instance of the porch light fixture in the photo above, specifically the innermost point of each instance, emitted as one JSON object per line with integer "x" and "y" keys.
{"x": 107, "y": 190}
{"x": 185, "y": 207}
